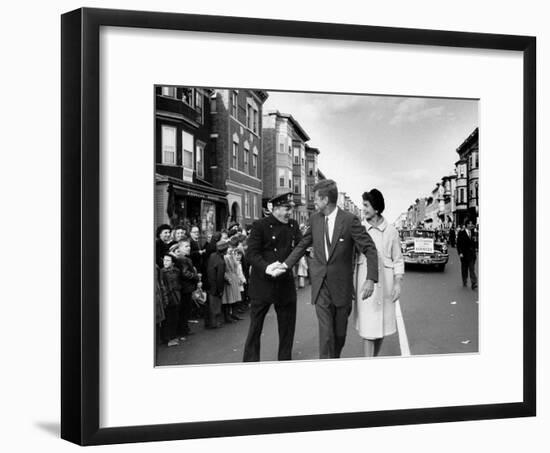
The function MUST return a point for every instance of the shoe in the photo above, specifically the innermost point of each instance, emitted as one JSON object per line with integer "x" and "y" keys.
{"x": 212, "y": 327}
{"x": 182, "y": 338}
{"x": 236, "y": 318}
{"x": 474, "y": 287}
{"x": 173, "y": 343}
{"x": 228, "y": 321}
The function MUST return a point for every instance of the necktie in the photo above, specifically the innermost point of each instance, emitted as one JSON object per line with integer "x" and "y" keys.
{"x": 327, "y": 238}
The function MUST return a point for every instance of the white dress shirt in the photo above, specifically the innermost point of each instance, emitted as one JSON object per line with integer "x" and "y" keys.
{"x": 331, "y": 222}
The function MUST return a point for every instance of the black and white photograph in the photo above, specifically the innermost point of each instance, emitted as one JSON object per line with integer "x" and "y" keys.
{"x": 309, "y": 226}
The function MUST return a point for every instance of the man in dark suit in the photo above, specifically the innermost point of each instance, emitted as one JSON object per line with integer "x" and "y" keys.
{"x": 466, "y": 246}
{"x": 335, "y": 235}
{"x": 271, "y": 240}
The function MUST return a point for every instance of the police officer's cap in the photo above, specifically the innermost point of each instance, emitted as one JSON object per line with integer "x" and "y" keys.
{"x": 286, "y": 199}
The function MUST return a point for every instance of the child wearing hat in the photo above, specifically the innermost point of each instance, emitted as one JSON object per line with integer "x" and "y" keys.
{"x": 232, "y": 293}
{"x": 189, "y": 279}
{"x": 170, "y": 277}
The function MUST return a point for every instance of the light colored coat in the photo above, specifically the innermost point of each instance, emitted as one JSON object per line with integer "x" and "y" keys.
{"x": 375, "y": 316}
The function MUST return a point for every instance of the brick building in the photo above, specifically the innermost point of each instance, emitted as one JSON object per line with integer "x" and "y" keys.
{"x": 184, "y": 189}
{"x": 236, "y": 144}
{"x": 284, "y": 160}
{"x": 312, "y": 176}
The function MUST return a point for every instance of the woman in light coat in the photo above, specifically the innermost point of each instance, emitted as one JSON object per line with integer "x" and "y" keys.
{"x": 375, "y": 316}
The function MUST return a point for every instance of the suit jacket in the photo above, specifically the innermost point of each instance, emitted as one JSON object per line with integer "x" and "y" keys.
{"x": 216, "y": 274}
{"x": 337, "y": 269}
{"x": 270, "y": 241}
{"x": 196, "y": 256}
{"x": 466, "y": 245}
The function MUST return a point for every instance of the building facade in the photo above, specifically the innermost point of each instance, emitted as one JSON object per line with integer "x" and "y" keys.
{"x": 449, "y": 206}
{"x": 467, "y": 182}
{"x": 184, "y": 189}
{"x": 417, "y": 213}
{"x": 237, "y": 151}
{"x": 312, "y": 177}
{"x": 284, "y": 160}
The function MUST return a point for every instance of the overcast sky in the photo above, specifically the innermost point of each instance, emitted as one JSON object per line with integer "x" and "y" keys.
{"x": 400, "y": 145}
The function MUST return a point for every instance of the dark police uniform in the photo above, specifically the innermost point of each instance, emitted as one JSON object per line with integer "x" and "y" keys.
{"x": 270, "y": 241}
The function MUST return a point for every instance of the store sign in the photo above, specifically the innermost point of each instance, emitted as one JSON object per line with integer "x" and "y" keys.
{"x": 197, "y": 194}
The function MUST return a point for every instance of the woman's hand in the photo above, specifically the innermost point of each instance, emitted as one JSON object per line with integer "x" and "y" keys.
{"x": 396, "y": 291}
{"x": 367, "y": 290}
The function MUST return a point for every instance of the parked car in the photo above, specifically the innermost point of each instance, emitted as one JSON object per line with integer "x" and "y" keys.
{"x": 420, "y": 246}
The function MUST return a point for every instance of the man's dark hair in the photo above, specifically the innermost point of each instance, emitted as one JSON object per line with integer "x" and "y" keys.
{"x": 467, "y": 220}
{"x": 172, "y": 257}
{"x": 163, "y": 227}
{"x": 327, "y": 188}
{"x": 180, "y": 227}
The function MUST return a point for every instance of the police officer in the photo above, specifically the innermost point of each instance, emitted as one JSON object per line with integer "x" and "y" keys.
{"x": 272, "y": 239}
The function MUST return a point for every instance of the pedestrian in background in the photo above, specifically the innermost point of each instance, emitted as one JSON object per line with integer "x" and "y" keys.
{"x": 375, "y": 316}
{"x": 466, "y": 246}
{"x": 171, "y": 284}
{"x": 238, "y": 255}
{"x": 159, "y": 305}
{"x": 179, "y": 233}
{"x": 452, "y": 236}
{"x": 216, "y": 283}
{"x": 189, "y": 279}
{"x": 162, "y": 243}
{"x": 232, "y": 293}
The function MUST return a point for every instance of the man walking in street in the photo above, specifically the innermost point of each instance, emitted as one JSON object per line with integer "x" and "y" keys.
{"x": 466, "y": 245}
{"x": 335, "y": 235}
{"x": 271, "y": 240}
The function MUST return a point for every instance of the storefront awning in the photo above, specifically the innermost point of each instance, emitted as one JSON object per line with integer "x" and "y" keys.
{"x": 198, "y": 193}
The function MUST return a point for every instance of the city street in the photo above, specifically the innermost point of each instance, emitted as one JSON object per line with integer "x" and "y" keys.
{"x": 439, "y": 317}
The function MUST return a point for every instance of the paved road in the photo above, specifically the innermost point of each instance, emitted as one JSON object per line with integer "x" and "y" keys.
{"x": 433, "y": 325}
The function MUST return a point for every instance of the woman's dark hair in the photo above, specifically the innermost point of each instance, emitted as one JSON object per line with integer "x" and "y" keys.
{"x": 216, "y": 236}
{"x": 163, "y": 227}
{"x": 376, "y": 199}
{"x": 327, "y": 188}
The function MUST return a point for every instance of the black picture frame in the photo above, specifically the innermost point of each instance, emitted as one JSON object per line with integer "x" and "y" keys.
{"x": 80, "y": 264}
